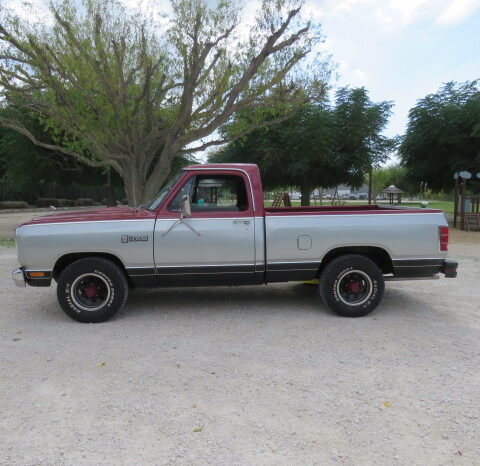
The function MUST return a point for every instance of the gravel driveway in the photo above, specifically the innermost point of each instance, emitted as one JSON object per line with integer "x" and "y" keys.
{"x": 247, "y": 376}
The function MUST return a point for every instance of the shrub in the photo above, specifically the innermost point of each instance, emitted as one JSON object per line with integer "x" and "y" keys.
{"x": 66, "y": 202}
{"x": 83, "y": 202}
{"x": 47, "y": 202}
{"x": 13, "y": 205}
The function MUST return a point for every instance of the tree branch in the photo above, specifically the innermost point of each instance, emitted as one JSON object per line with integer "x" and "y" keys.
{"x": 252, "y": 69}
{"x": 17, "y": 126}
{"x": 233, "y": 138}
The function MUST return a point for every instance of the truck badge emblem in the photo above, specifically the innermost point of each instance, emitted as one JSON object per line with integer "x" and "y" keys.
{"x": 133, "y": 238}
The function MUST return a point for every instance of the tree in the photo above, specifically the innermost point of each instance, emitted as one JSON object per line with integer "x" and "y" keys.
{"x": 118, "y": 90}
{"x": 30, "y": 171}
{"x": 443, "y": 135}
{"x": 360, "y": 122}
{"x": 383, "y": 177}
{"x": 292, "y": 153}
{"x": 321, "y": 146}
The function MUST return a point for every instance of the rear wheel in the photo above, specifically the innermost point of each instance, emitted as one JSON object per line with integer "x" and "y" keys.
{"x": 92, "y": 289}
{"x": 352, "y": 285}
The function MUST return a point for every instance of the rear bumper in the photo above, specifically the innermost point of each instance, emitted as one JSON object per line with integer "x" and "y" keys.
{"x": 423, "y": 269}
{"x": 449, "y": 268}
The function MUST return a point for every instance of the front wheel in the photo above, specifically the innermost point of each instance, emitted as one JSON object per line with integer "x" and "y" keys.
{"x": 352, "y": 285}
{"x": 92, "y": 289}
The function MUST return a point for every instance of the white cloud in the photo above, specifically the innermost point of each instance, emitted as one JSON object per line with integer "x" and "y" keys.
{"x": 457, "y": 11}
{"x": 396, "y": 13}
{"x": 313, "y": 11}
{"x": 343, "y": 65}
{"x": 361, "y": 75}
{"x": 410, "y": 11}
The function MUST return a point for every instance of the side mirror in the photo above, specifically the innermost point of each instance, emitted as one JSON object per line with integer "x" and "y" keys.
{"x": 185, "y": 209}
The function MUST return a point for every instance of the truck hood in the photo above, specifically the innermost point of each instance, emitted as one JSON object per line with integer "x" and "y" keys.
{"x": 94, "y": 215}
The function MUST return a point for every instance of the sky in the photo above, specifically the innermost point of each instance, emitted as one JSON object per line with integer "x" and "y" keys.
{"x": 400, "y": 50}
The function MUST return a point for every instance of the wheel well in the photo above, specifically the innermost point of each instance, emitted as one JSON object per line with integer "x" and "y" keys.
{"x": 64, "y": 261}
{"x": 377, "y": 255}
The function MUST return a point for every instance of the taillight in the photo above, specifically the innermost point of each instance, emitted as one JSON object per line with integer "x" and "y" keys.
{"x": 443, "y": 235}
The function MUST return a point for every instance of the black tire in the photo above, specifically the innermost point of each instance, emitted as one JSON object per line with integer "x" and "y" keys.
{"x": 92, "y": 289}
{"x": 352, "y": 285}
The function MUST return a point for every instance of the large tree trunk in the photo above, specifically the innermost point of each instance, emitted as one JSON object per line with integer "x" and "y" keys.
{"x": 140, "y": 188}
{"x": 305, "y": 192}
{"x": 134, "y": 187}
{"x": 111, "y": 201}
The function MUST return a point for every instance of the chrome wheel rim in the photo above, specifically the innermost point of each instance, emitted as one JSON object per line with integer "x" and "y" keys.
{"x": 354, "y": 288}
{"x": 90, "y": 292}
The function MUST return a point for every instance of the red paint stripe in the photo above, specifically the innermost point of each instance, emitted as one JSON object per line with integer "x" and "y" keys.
{"x": 364, "y": 210}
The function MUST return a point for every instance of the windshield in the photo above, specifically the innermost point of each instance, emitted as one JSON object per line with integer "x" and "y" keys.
{"x": 163, "y": 192}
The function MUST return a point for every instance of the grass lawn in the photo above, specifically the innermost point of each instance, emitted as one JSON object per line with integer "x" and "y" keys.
{"x": 7, "y": 242}
{"x": 446, "y": 206}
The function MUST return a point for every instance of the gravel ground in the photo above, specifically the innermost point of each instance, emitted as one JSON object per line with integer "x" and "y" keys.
{"x": 247, "y": 375}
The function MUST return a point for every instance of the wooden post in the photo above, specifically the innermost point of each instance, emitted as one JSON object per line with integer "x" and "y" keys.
{"x": 462, "y": 204}
{"x": 455, "y": 204}
{"x": 111, "y": 201}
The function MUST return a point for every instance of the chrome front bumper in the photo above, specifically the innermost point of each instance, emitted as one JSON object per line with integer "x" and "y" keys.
{"x": 18, "y": 276}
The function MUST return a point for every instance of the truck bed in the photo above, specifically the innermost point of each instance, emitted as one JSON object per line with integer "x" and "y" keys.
{"x": 299, "y": 238}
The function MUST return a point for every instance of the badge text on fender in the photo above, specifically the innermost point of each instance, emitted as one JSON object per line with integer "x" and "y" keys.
{"x": 133, "y": 238}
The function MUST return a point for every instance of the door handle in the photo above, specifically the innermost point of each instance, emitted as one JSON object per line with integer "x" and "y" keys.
{"x": 243, "y": 222}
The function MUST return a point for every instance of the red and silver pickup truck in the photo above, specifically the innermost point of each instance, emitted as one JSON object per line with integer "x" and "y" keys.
{"x": 209, "y": 226}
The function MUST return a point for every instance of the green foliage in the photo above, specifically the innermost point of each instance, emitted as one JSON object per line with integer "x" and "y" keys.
{"x": 359, "y": 125}
{"x": 7, "y": 242}
{"x": 287, "y": 153}
{"x": 443, "y": 135}
{"x": 28, "y": 171}
{"x": 114, "y": 88}
{"x": 321, "y": 146}
{"x": 397, "y": 175}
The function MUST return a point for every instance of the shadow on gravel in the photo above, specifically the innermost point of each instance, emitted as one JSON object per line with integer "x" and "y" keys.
{"x": 292, "y": 298}
{"x": 281, "y": 298}
{"x": 255, "y": 299}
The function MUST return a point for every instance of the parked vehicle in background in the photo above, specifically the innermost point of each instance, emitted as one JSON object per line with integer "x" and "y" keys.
{"x": 209, "y": 226}
{"x": 295, "y": 196}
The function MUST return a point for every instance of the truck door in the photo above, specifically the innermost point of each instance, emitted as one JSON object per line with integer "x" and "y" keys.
{"x": 216, "y": 245}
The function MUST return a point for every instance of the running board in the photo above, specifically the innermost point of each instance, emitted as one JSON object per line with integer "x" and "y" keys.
{"x": 398, "y": 279}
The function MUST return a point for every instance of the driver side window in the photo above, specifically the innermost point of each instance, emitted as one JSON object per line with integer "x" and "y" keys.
{"x": 213, "y": 193}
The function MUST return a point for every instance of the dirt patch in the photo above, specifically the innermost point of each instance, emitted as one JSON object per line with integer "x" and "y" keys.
{"x": 459, "y": 236}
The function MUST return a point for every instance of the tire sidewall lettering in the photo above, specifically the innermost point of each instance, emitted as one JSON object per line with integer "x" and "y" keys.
{"x": 367, "y": 304}
{"x": 68, "y": 290}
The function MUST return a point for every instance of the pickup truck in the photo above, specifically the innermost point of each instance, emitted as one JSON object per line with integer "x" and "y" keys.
{"x": 209, "y": 226}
